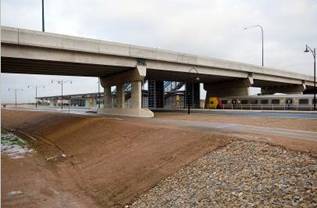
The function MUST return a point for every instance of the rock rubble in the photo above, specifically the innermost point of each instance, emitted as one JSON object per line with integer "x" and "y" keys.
{"x": 242, "y": 174}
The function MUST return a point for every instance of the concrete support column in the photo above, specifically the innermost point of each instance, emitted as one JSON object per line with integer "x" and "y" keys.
{"x": 136, "y": 94}
{"x": 120, "y": 95}
{"x": 135, "y": 77}
{"x": 107, "y": 98}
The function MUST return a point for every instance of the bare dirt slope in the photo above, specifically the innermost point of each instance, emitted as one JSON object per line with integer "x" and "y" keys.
{"x": 31, "y": 182}
{"x": 110, "y": 160}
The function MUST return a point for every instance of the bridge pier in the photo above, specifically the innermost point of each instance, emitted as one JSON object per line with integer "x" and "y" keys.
{"x": 107, "y": 99}
{"x": 287, "y": 89}
{"x": 120, "y": 97}
{"x": 136, "y": 94}
{"x": 135, "y": 77}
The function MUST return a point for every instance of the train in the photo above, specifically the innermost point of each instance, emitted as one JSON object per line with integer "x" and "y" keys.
{"x": 263, "y": 102}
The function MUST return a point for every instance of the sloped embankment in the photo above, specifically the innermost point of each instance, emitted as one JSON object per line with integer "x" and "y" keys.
{"x": 111, "y": 160}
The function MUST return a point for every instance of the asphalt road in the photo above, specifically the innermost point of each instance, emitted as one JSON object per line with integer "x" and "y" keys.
{"x": 240, "y": 128}
{"x": 264, "y": 113}
{"x": 276, "y": 114}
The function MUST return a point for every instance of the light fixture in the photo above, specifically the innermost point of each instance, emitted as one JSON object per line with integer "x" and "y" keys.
{"x": 306, "y": 50}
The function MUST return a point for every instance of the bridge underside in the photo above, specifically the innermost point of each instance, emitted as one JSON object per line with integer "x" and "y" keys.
{"x": 215, "y": 85}
{"x": 46, "y": 67}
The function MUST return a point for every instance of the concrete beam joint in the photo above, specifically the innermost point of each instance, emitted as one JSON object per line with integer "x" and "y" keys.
{"x": 133, "y": 75}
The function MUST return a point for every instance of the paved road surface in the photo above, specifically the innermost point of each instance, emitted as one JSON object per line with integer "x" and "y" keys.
{"x": 239, "y": 128}
{"x": 273, "y": 114}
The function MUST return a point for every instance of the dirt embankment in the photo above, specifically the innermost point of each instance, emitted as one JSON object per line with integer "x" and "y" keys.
{"x": 108, "y": 159}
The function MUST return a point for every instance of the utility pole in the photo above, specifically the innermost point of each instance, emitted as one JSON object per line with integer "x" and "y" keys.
{"x": 62, "y": 82}
{"x": 98, "y": 93}
{"x": 43, "y": 21}
{"x": 313, "y": 51}
{"x": 262, "y": 38}
{"x": 36, "y": 88}
{"x": 15, "y": 90}
{"x": 191, "y": 81}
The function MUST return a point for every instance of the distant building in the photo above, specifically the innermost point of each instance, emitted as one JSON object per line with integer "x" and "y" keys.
{"x": 172, "y": 100}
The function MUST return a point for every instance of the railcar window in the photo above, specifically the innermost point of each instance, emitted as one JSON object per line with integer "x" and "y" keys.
{"x": 254, "y": 101}
{"x": 275, "y": 101}
{"x": 303, "y": 101}
{"x": 244, "y": 101}
{"x": 264, "y": 101}
{"x": 224, "y": 102}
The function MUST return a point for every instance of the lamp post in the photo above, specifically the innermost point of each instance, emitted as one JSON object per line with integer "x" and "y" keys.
{"x": 43, "y": 21}
{"x": 313, "y": 51}
{"x": 15, "y": 95}
{"x": 62, "y": 82}
{"x": 262, "y": 37}
{"x": 191, "y": 81}
{"x": 36, "y": 87}
{"x": 98, "y": 100}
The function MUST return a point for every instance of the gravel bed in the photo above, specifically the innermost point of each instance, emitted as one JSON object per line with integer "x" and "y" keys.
{"x": 242, "y": 174}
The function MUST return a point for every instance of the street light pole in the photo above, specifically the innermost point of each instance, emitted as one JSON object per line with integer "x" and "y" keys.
{"x": 62, "y": 82}
{"x": 191, "y": 94}
{"x": 262, "y": 37}
{"x": 98, "y": 93}
{"x": 313, "y": 51}
{"x": 188, "y": 101}
{"x": 15, "y": 95}
{"x": 43, "y": 21}
{"x": 62, "y": 93}
{"x": 36, "y": 88}
{"x": 15, "y": 98}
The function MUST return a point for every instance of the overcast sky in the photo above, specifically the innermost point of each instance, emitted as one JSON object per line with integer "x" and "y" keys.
{"x": 202, "y": 27}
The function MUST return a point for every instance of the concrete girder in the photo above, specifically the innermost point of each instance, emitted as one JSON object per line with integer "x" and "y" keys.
{"x": 237, "y": 87}
{"x": 24, "y": 44}
{"x": 287, "y": 89}
{"x": 136, "y": 74}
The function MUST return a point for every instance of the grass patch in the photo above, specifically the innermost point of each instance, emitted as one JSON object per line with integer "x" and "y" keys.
{"x": 9, "y": 139}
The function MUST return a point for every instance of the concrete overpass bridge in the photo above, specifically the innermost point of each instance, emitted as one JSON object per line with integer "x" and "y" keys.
{"x": 34, "y": 52}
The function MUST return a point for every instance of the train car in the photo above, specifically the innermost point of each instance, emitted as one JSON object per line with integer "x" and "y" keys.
{"x": 214, "y": 103}
{"x": 263, "y": 102}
